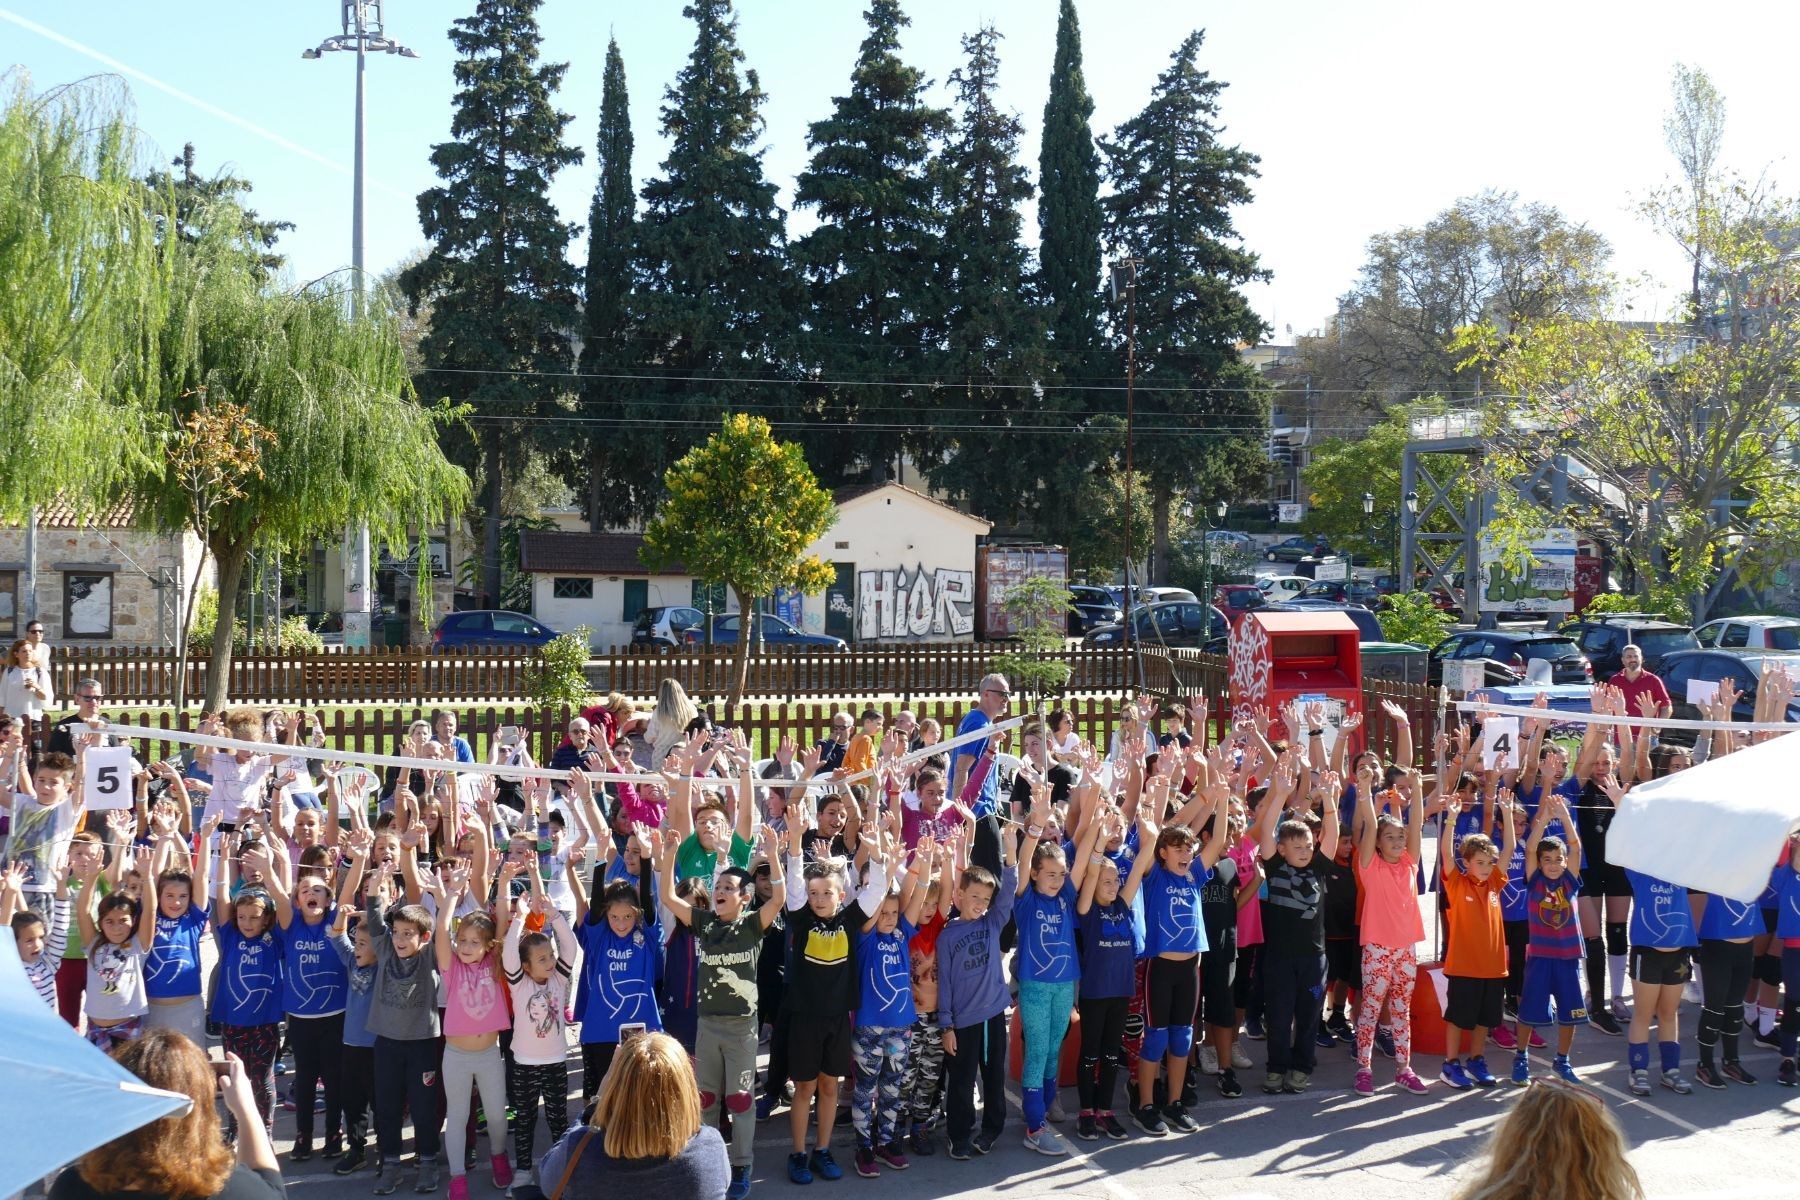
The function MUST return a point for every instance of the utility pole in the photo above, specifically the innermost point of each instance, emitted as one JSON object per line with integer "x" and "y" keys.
{"x": 1128, "y": 267}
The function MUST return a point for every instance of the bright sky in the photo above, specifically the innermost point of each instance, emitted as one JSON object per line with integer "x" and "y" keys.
{"x": 1367, "y": 116}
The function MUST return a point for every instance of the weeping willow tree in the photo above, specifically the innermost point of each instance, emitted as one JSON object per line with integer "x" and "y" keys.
{"x": 85, "y": 291}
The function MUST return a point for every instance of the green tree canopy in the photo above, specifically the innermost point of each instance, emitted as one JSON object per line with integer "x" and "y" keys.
{"x": 1070, "y": 220}
{"x": 611, "y": 221}
{"x": 194, "y": 197}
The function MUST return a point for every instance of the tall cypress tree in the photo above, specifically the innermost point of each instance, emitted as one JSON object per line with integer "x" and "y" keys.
{"x": 714, "y": 298}
{"x": 498, "y": 278}
{"x": 1174, "y": 186}
{"x": 992, "y": 338}
{"x": 870, "y": 263}
{"x": 1070, "y": 221}
{"x": 610, "y": 233}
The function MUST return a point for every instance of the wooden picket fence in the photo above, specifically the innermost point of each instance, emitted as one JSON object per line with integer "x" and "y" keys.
{"x": 141, "y": 675}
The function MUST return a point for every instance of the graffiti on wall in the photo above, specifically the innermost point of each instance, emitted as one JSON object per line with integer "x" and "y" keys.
{"x": 916, "y": 604}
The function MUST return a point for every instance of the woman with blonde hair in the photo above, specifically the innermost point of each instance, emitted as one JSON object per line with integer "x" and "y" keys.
{"x": 668, "y": 726}
{"x": 183, "y": 1156}
{"x": 645, "y": 1139}
{"x": 1559, "y": 1140}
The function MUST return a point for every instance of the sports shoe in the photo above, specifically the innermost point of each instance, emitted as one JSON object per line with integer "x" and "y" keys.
{"x": 1538, "y": 1042}
{"x": 1707, "y": 1075}
{"x": 1229, "y": 1087}
{"x": 1296, "y": 1082}
{"x": 427, "y": 1182}
{"x": 301, "y": 1152}
{"x": 1086, "y": 1128}
{"x": 1365, "y": 1082}
{"x": 1675, "y": 1083}
{"x": 1521, "y": 1072}
{"x": 893, "y": 1154}
{"x": 1178, "y": 1119}
{"x": 1045, "y": 1141}
{"x": 1323, "y": 1039}
{"x": 765, "y": 1105}
{"x": 825, "y": 1166}
{"x": 1454, "y": 1075}
{"x": 1149, "y": 1120}
{"x": 1409, "y": 1080}
{"x": 1604, "y": 1021}
{"x": 921, "y": 1141}
{"x": 1109, "y": 1125}
{"x": 984, "y": 1142}
{"x": 1384, "y": 1042}
{"x": 1209, "y": 1059}
{"x": 740, "y": 1184}
{"x": 1272, "y": 1083}
{"x": 1734, "y": 1071}
{"x": 1502, "y": 1036}
{"x": 797, "y": 1169}
{"x": 1240, "y": 1061}
{"x": 1056, "y": 1112}
{"x": 502, "y": 1171}
{"x": 1787, "y": 1075}
{"x": 1339, "y": 1026}
{"x": 960, "y": 1151}
{"x": 865, "y": 1163}
{"x": 334, "y": 1146}
{"x": 1479, "y": 1075}
{"x": 353, "y": 1160}
{"x": 387, "y": 1178}
{"x": 1640, "y": 1082}
{"x": 1620, "y": 1010}
{"x": 1253, "y": 1029}
{"x": 1771, "y": 1039}
{"x": 1565, "y": 1070}
{"x": 459, "y": 1187}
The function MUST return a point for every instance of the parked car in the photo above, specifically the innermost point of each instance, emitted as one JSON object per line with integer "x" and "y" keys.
{"x": 1091, "y": 607}
{"x": 1236, "y": 599}
{"x": 1339, "y": 591}
{"x": 1367, "y": 626}
{"x": 1170, "y": 623}
{"x": 489, "y": 627}
{"x": 1743, "y": 667}
{"x": 666, "y": 626}
{"x": 1282, "y": 587}
{"x": 1750, "y": 633}
{"x": 1603, "y": 638}
{"x": 1232, "y": 538}
{"x": 1507, "y": 656}
{"x": 775, "y": 632}
{"x": 1296, "y": 548}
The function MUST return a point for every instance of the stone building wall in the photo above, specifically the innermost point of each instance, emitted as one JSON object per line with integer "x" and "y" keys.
{"x": 97, "y": 586}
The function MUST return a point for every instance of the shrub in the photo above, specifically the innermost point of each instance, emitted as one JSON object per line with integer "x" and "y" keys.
{"x": 558, "y": 675}
{"x": 1412, "y": 617}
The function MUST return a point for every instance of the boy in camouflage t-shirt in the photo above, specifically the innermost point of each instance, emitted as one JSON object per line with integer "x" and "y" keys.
{"x": 729, "y": 942}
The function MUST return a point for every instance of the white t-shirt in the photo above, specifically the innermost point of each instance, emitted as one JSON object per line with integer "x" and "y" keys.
{"x": 233, "y": 781}
{"x": 557, "y": 886}
{"x": 38, "y": 833}
{"x": 115, "y": 980}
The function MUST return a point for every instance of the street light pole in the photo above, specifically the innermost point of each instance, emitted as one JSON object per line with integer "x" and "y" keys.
{"x": 1128, "y": 267}
{"x": 363, "y": 32}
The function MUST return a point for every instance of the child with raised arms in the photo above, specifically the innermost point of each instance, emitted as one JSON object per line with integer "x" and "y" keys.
{"x": 538, "y": 967}
{"x": 972, "y": 1002}
{"x": 1475, "y": 960}
{"x": 1110, "y": 940}
{"x": 1553, "y": 955}
{"x": 621, "y": 941}
{"x": 1387, "y": 860}
{"x": 885, "y": 1012}
{"x": 468, "y": 957}
{"x": 1293, "y": 957}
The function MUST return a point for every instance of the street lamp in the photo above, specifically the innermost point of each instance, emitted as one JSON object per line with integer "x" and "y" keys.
{"x": 1410, "y": 502}
{"x": 1206, "y": 584}
{"x": 364, "y": 33}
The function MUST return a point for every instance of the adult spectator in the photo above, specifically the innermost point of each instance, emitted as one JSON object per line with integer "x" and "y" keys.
{"x": 89, "y": 696}
{"x": 1060, "y": 778}
{"x": 25, "y": 689}
{"x": 184, "y": 1156}
{"x": 645, "y": 1139}
{"x": 1558, "y": 1140}
{"x": 669, "y": 722}
{"x": 578, "y": 749}
{"x": 443, "y": 732}
{"x": 833, "y": 748}
{"x": 613, "y": 718}
{"x": 40, "y": 649}
{"x": 1634, "y": 681}
{"x": 996, "y": 695}
{"x": 906, "y": 724}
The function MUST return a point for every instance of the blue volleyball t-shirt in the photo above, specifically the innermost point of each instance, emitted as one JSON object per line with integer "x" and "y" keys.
{"x": 1046, "y": 926}
{"x": 314, "y": 982}
{"x": 172, "y": 968}
{"x": 884, "y": 964}
{"x": 1172, "y": 916}
{"x": 1660, "y": 916}
{"x": 249, "y": 977}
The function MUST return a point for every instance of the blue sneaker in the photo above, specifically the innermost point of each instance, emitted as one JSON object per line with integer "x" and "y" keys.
{"x": 765, "y": 1106}
{"x": 825, "y": 1166}
{"x": 1323, "y": 1039}
{"x": 1479, "y": 1075}
{"x": 1454, "y": 1075}
{"x": 740, "y": 1184}
{"x": 1384, "y": 1041}
{"x": 1521, "y": 1072}
{"x": 1253, "y": 1028}
{"x": 1561, "y": 1065}
{"x": 797, "y": 1169}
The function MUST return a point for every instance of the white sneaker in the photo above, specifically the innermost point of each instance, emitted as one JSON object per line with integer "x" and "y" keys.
{"x": 1621, "y": 1011}
{"x": 1239, "y": 1060}
{"x": 1056, "y": 1112}
{"x": 1692, "y": 993}
{"x": 1209, "y": 1059}
{"x": 1046, "y": 1141}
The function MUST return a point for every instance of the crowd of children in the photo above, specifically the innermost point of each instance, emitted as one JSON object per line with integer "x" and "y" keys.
{"x": 424, "y": 952}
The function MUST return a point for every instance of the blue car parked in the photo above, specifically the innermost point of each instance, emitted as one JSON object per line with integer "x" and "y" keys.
{"x": 489, "y": 627}
{"x": 775, "y": 632}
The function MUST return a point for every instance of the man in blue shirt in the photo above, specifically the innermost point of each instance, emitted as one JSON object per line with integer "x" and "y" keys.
{"x": 996, "y": 695}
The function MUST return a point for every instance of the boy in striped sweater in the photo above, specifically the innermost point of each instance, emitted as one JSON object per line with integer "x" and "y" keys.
{"x": 40, "y": 944}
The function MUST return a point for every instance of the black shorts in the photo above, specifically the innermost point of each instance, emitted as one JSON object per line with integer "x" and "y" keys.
{"x": 1474, "y": 1002}
{"x": 1172, "y": 991}
{"x": 1218, "y": 1006}
{"x": 1604, "y": 879}
{"x": 1660, "y": 968}
{"x": 818, "y": 1046}
{"x": 1343, "y": 962}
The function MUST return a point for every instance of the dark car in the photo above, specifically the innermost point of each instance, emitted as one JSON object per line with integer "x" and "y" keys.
{"x": 775, "y": 632}
{"x": 1091, "y": 608}
{"x": 1507, "y": 656}
{"x": 1296, "y": 548}
{"x": 1338, "y": 591}
{"x": 1173, "y": 623}
{"x": 490, "y": 627}
{"x": 1603, "y": 638}
{"x": 1743, "y": 667}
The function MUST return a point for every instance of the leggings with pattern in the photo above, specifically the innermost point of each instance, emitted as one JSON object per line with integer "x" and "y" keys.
{"x": 1388, "y": 974}
{"x": 876, "y": 1110}
{"x": 924, "y": 1070}
{"x": 528, "y": 1083}
{"x": 258, "y": 1046}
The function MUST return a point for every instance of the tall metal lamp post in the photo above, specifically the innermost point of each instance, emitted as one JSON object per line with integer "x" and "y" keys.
{"x": 1124, "y": 283}
{"x": 1206, "y": 582}
{"x": 1396, "y": 526}
{"x": 365, "y": 34}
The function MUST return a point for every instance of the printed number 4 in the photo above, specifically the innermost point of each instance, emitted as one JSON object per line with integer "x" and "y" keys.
{"x": 1503, "y": 746}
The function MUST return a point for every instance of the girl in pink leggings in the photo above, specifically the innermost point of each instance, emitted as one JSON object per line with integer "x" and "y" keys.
{"x": 1387, "y": 858}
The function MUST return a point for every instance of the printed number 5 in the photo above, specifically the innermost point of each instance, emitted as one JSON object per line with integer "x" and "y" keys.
{"x": 109, "y": 780}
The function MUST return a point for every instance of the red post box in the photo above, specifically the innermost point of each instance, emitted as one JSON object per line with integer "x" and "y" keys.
{"x": 1304, "y": 656}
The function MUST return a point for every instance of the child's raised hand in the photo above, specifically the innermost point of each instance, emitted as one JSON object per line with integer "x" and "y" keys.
{"x": 413, "y": 837}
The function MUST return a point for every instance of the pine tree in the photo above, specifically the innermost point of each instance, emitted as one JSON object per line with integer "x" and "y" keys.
{"x": 498, "y": 277}
{"x": 871, "y": 263}
{"x": 1070, "y": 221}
{"x": 192, "y": 195}
{"x": 993, "y": 340}
{"x": 610, "y": 232}
{"x": 714, "y": 298}
{"x": 1174, "y": 185}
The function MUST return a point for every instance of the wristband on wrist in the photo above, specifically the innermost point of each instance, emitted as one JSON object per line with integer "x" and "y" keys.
{"x": 1097, "y": 859}
{"x": 1036, "y": 831}
{"x": 1315, "y": 733}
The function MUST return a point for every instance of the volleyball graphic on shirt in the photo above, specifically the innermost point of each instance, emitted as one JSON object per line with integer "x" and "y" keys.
{"x": 252, "y": 981}
{"x": 1049, "y": 950}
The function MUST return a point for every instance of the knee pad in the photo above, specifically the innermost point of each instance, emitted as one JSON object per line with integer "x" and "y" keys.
{"x": 1156, "y": 1044}
{"x": 708, "y": 1099}
{"x": 1134, "y": 1022}
{"x": 737, "y": 1102}
{"x": 1181, "y": 1040}
{"x": 1732, "y": 1019}
{"x": 1618, "y": 938}
{"x": 1768, "y": 969}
